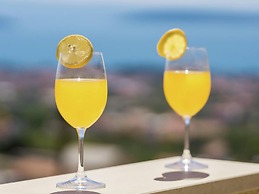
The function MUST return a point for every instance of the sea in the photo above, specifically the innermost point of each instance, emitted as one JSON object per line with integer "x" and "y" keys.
{"x": 127, "y": 34}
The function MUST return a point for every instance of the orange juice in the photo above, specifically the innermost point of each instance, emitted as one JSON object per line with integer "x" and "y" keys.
{"x": 187, "y": 91}
{"x": 81, "y": 101}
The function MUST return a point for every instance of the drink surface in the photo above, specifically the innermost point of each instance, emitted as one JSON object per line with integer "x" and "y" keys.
{"x": 81, "y": 101}
{"x": 187, "y": 91}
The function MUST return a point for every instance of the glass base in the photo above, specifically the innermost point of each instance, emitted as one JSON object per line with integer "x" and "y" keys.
{"x": 186, "y": 165}
{"x": 80, "y": 184}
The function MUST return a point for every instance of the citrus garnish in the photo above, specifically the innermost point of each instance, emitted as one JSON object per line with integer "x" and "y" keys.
{"x": 75, "y": 51}
{"x": 172, "y": 44}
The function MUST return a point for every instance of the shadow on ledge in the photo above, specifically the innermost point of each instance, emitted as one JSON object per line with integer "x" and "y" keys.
{"x": 75, "y": 192}
{"x": 181, "y": 175}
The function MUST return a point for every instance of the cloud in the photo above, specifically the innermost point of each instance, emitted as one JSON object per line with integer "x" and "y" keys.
{"x": 239, "y": 5}
{"x": 167, "y": 14}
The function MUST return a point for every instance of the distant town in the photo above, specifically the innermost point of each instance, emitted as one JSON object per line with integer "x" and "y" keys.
{"x": 136, "y": 125}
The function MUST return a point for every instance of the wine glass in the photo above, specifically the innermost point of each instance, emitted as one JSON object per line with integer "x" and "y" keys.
{"x": 81, "y": 95}
{"x": 187, "y": 84}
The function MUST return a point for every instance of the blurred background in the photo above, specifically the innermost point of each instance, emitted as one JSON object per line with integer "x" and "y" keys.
{"x": 137, "y": 124}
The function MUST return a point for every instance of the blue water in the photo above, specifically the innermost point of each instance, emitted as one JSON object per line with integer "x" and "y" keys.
{"x": 127, "y": 36}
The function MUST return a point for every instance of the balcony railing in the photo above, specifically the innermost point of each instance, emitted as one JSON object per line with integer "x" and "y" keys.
{"x": 222, "y": 177}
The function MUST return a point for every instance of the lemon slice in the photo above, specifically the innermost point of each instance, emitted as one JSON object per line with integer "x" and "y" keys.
{"x": 172, "y": 44}
{"x": 76, "y": 51}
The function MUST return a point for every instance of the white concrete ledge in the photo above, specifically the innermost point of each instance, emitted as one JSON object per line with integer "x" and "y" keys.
{"x": 222, "y": 177}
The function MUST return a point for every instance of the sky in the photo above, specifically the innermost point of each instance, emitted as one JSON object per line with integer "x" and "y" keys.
{"x": 250, "y": 5}
{"x": 127, "y": 31}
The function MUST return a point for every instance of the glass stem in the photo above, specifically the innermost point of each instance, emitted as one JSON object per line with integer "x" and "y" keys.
{"x": 186, "y": 152}
{"x": 81, "y": 170}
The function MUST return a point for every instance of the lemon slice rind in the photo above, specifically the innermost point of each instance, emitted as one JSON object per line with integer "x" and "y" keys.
{"x": 172, "y": 44}
{"x": 75, "y": 51}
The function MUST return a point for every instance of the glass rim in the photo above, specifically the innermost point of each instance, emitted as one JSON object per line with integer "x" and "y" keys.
{"x": 196, "y": 48}
{"x": 97, "y": 53}
{"x": 188, "y": 52}
{"x": 94, "y": 53}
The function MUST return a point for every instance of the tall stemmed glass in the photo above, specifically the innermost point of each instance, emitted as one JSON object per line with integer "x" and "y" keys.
{"x": 187, "y": 86}
{"x": 81, "y": 95}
